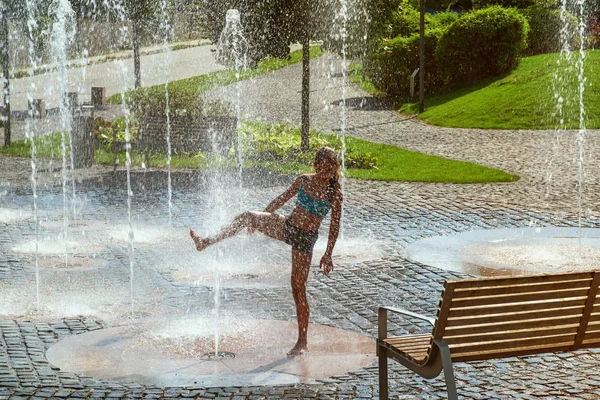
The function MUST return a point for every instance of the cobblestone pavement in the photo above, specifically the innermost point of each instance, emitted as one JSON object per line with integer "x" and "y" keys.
{"x": 382, "y": 217}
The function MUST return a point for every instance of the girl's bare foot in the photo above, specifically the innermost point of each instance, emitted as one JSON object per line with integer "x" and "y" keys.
{"x": 201, "y": 244}
{"x": 298, "y": 350}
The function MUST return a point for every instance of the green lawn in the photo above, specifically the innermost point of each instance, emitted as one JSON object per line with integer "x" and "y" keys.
{"x": 521, "y": 99}
{"x": 393, "y": 163}
{"x": 396, "y": 164}
{"x": 203, "y": 83}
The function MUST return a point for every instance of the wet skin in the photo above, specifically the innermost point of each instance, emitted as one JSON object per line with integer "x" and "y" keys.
{"x": 273, "y": 225}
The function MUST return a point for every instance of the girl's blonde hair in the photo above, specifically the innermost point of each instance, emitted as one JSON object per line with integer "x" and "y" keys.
{"x": 328, "y": 154}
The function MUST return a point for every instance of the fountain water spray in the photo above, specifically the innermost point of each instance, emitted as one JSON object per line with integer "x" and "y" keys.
{"x": 569, "y": 66}
{"x": 343, "y": 15}
{"x": 232, "y": 51}
{"x": 166, "y": 30}
{"x": 582, "y": 130}
{"x": 31, "y": 25}
{"x": 121, "y": 14}
{"x": 232, "y": 47}
{"x": 61, "y": 35}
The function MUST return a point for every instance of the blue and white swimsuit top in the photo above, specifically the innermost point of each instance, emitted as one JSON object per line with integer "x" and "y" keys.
{"x": 318, "y": 208}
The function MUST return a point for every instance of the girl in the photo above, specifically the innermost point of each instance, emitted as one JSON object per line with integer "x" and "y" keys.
{"x": 316, "y": 194}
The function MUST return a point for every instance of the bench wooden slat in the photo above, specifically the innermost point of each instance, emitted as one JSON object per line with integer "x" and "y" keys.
{"x": 408, "y": 347}
{"x": 520, "y": 334}
{"x": 512, "y": 352}
{"x": 514, "y": 308}
{"x": 521, "y": 297}
{"x": 514, "y": 344}
{"x": 494, "y": 282}
{"x": 519, "y": 288}
{"x": 414, "y": 347}
{"x": 595, "y": 317}
{"x": 514, "y": 316}
{"x": 512, "y": 326}
{"x": 488, "y": 318}
{"x": 591, "y": 338}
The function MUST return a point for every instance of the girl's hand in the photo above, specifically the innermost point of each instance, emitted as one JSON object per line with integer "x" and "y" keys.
{"x": 326, "y": 264}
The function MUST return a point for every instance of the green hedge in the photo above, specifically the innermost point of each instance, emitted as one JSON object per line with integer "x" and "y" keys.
{"x": 481, "y": 44}
{"x": 153, "y": 101}
{"x": 396, "y": 59}
{"x": 545, "y": 29}
{"x": 479, "y": 4}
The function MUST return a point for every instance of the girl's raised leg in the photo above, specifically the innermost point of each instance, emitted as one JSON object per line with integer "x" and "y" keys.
{"x": 270, "y": 224}
{"x": 300, "y": 270}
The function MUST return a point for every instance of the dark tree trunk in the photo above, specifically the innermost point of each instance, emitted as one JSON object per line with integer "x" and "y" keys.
{"x": 6, "y": 75}
{"x": 304, "y": 146}
{"x": 136, "y": 54}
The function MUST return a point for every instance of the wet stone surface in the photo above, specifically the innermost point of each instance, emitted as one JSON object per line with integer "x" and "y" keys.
{"x": 386, "y": 216}
{"x": 347, "y": 299}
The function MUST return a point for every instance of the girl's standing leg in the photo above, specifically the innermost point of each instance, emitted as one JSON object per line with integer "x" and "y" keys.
{"x": 270, "y": 224}
{"x": 300, "y": 270}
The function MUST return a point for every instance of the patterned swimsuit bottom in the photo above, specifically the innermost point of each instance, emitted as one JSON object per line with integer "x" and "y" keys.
{"x": 300, "y": 239}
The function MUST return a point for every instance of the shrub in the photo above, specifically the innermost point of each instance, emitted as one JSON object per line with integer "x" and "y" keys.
{"x": 153, "y": 101}
{"x": 481, "y": 44}
{"x": 405, "y": 21}
{"x": 480, "y": 4}
{"x": 281, "y": 143}
{"x": 545, "y": 26}
{"x": 441, "y": 20}
{"x": 396, "y": 59}
{"x": 593, "y": 39}
{"x": 105, "y": 131}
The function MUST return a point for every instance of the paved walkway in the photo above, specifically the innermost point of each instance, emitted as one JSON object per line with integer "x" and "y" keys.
{"x": 115, "y": 73}
{"x": 380, "y": 219}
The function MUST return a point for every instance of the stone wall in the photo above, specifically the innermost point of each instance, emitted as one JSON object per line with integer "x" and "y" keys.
{"x": 188, "y": 134}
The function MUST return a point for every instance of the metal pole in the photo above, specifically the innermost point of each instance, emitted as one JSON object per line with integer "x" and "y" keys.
{"x": 422, "y": 59}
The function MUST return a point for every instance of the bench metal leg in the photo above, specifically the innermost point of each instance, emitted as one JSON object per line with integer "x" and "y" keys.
{"x": 448, "y": 370}
{"x": 383, "y": 373}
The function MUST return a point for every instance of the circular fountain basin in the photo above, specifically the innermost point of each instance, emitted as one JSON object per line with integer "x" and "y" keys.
{"x": 180, "y": 353}
{"x": 58, "y": 263}
{"x": 8, "y": 215}
{"x": 520, "y": 251}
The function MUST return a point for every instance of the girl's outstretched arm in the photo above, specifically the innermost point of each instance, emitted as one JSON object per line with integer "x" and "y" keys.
{"x": 285, "y": 196}
{"x": 334, "y": 230}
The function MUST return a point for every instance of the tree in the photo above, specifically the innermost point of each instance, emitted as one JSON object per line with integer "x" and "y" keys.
{"x": 10, "y": 10}
{"x": 138, "y": 11}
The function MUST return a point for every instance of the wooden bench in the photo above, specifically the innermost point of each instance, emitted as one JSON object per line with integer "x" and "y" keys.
{"x": 489, "y": 318}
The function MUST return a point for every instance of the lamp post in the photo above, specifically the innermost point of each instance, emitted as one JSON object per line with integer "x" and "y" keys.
{"x": 422, "y": 58}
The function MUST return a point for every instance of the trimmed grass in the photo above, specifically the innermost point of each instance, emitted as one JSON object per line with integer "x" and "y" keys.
{"x": 521, "y": 99}
{"x": 203, "y": 83}
{"x": 396, "y": 164}
{"x": 393, "y": 163}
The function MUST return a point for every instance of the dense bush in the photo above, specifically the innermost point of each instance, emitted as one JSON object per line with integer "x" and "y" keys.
{"x": 480, "y": 4}
{"x": 153, "y": 101}
{"x": 546, "y": 27}
{"x": 481, "y": 44}
{"x": 108, "y": 131}
{"x": 395, "y": 60}
{"x": 404, "y": 22}
{"x": 441, "y": 20}
{"x": 281, "y": 143}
